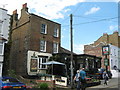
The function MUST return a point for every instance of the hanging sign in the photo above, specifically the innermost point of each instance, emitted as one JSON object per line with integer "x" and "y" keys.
{"x": 106, "y": 62}
{"x": 105, "y": 50}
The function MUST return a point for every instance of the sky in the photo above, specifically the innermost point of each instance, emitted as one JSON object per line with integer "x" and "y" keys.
{"x": 91, "y": 18}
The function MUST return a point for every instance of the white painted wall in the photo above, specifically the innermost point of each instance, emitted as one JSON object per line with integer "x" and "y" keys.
{"x": 113, "y": 56}
{"x": 5, "y": 23}
{"x": 119, "y": 58}
{"x": 29, "y": 54}
{"x": 5, "y": 18}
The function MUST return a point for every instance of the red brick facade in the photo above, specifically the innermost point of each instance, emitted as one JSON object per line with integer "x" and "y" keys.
{"x": 96, "y": 47}
{"x": 26, "y": 36}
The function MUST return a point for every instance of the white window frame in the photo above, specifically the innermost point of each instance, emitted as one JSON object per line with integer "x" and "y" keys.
{"x": 40, "y": 61}
{"x": 43, "y": 47}
{"x": 1, "y": 65}
{"x": 1, "y": 49}
{"x": 55, "y": 47}
{"x": 44, "y": 29}
{"x": 56, "y": 32}
{"x": 1, "y": 23}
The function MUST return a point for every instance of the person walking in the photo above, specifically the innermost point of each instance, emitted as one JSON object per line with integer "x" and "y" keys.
{"x": 105, "y": 77}
{"x": 82, "y": 79}
{"x": 76, "y": 78}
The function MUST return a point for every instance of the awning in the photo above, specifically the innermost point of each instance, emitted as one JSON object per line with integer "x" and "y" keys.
{"x": 53, "y": 62}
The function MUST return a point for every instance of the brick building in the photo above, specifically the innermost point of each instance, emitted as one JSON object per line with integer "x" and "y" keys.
{"x": 34, "y": 40}
{"x": 96, "y": 47}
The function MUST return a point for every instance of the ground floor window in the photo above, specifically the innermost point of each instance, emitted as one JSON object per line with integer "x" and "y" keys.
{"x": 0, "y": 70}
{"x": 1, "y": 48}
{"x": 42, "y": 59}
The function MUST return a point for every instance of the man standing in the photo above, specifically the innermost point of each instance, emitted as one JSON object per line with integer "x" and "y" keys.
{"x": 83, "y": 80}
{"x": 76, "y": 78}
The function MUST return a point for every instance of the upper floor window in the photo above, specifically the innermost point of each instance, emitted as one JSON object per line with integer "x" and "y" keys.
{"x": 44, "y": 28}
{"x": 56, "y": 32}
{"x": 0, "y": 27}
{"x": 55, "y": 47}
{"x": 1, "y": 48}
{"x": 42, "y": 59}
{"x": 43, "y": 45}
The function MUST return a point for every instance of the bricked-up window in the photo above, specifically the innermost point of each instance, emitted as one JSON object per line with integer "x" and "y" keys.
{"x": 56, "y": 32}
{"x": 1, "y": 48}
{"x": 55, "y": 47}
{"x": 44, "y": 29}
{"x": 43, "y": 45}
{"x": 42, "y": 59}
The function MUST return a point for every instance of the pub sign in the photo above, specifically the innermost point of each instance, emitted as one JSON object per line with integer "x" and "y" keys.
{"x": 105, "y": 50}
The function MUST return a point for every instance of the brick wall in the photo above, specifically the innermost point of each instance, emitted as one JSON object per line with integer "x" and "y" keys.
{"x": 26, "y": 36}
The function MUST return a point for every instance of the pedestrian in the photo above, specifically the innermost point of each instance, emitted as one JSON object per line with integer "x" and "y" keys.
{"x": 82, "y": 79}
{"x": 105, "y": 77}
{"x": 76, "y": 78}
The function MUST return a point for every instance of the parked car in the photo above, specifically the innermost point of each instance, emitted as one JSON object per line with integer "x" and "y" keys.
{"x": 9, "y": 83}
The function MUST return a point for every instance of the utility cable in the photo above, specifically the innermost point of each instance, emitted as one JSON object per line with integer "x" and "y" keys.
{"x": 93, "y": 21}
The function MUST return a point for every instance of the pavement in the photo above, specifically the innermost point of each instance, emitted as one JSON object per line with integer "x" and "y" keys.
{"x": 113, "y": 84}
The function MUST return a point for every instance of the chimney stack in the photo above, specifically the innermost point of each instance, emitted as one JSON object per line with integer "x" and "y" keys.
{"x": 15, "y": 15}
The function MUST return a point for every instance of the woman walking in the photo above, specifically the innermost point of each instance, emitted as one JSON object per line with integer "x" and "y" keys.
{"x": 105, "y": 77}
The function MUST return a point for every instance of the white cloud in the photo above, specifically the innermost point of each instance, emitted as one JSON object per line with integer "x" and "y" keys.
{"x": 113, "y": 27}
{"x": 92, "y": 10}
{"x": 51, "y": 9}
{"x": 102, "y": 0}
{"x": 78, "y": 48}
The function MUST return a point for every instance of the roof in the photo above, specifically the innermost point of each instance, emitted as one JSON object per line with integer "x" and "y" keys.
{"x": 87, "y": 55}
{"x": 44, "y": 18}
{"x": 63, "y": 50}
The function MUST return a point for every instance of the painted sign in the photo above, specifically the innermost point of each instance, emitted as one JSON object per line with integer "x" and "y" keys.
{"x": 33, "y": 65}
{"x": 105, "y": 50}
{"x": 106, "y": 62}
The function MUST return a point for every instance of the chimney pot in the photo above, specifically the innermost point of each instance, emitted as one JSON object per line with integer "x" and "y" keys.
{"x": 105, "y": 34}
{"x": 25, "y": 5}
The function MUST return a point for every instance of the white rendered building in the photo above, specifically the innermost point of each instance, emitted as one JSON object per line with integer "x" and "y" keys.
{"x": 4, "y": 29}
{"x": 114, "y": 60}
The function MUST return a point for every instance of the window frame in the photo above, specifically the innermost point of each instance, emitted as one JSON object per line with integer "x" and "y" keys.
{"x": 2, "y": 49}
{"x": 43, "y": 46}
{"x": 1, "y": 66}
{"x": 56, "y": 32}
{"x": 40, "y": 61}
{"x": 55, "y": 47}
{"x": 43, "y": 29}
{"x": 1, "y": 23}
